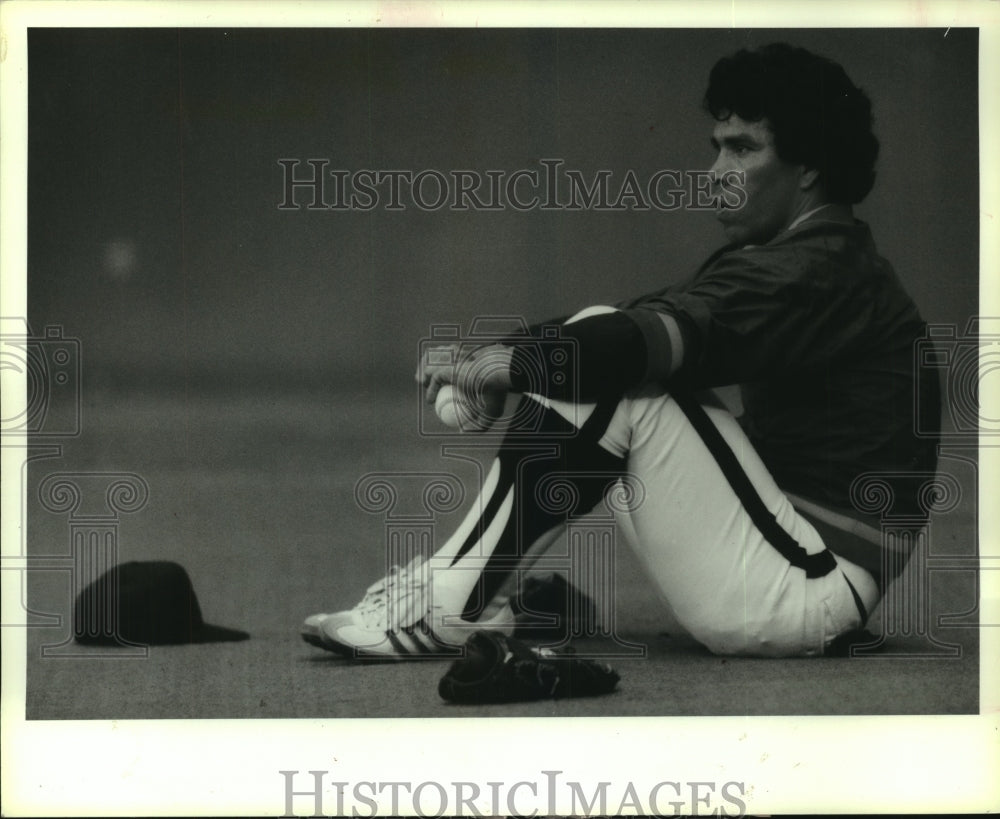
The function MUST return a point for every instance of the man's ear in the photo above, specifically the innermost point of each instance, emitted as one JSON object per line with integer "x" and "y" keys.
{"x": 809, "y": 178}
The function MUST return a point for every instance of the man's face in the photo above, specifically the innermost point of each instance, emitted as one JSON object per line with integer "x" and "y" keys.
{"x": 772, "y": 186}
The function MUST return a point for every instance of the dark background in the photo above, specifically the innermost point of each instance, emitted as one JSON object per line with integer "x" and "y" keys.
{"x": 155, "y": 235}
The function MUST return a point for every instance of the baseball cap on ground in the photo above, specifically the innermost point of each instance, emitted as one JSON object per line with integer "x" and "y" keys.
{"x": 147, "y": 602}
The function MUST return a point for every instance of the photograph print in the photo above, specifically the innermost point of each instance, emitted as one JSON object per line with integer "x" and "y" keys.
{"x": 551, "y": 372}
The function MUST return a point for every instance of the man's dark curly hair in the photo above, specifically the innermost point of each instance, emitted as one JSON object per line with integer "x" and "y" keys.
{"x": 819, "y": 117}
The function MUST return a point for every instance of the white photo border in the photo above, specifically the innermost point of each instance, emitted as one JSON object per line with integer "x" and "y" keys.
{"x": 230, "y": 767}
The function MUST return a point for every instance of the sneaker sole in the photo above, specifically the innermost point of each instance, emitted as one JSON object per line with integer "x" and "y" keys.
{"x": 311, "y": 630}
{"x": 313, "y": 640}
{"x": 396, "y": 649}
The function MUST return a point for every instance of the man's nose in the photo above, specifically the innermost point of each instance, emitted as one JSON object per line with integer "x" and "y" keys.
{"x": 719, "y": 167}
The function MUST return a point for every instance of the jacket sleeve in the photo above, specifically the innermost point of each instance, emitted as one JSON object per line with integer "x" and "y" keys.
{"x": 592, "y": 358}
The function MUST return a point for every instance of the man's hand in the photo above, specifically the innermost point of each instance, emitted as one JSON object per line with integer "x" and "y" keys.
{"x": 480, "y": 374}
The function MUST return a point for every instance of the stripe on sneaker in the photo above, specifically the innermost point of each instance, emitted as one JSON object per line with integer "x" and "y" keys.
{"x": 451, "y": 648}
{"x": 422, "y": 648}
{"x": 396, "y": 644}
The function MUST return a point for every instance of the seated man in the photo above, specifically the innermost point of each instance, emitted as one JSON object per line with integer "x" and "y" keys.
{"x": 747, "y": 529}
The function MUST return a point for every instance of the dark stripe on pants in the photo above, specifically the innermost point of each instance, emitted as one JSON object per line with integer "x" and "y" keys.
{"x": 815, "y": 565}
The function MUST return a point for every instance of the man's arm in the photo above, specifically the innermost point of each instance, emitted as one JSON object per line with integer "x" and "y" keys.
{"x": 608, "y": 354}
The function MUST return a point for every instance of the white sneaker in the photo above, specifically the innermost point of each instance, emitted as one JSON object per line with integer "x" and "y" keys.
{"x": 398, "y": 619}
{"x": 310, "y": 629}
{"x": 374, "y": 599}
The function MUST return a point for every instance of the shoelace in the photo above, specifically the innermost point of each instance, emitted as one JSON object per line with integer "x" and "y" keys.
{"x": 399, "y": 585}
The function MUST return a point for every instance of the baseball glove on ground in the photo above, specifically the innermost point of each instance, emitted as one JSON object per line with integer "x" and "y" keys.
{"x": 497, "y": 668}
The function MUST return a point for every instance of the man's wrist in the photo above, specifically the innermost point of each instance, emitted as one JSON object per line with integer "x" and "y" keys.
{"x": 488, "y": 369}
{"x": 499, "y": 367}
